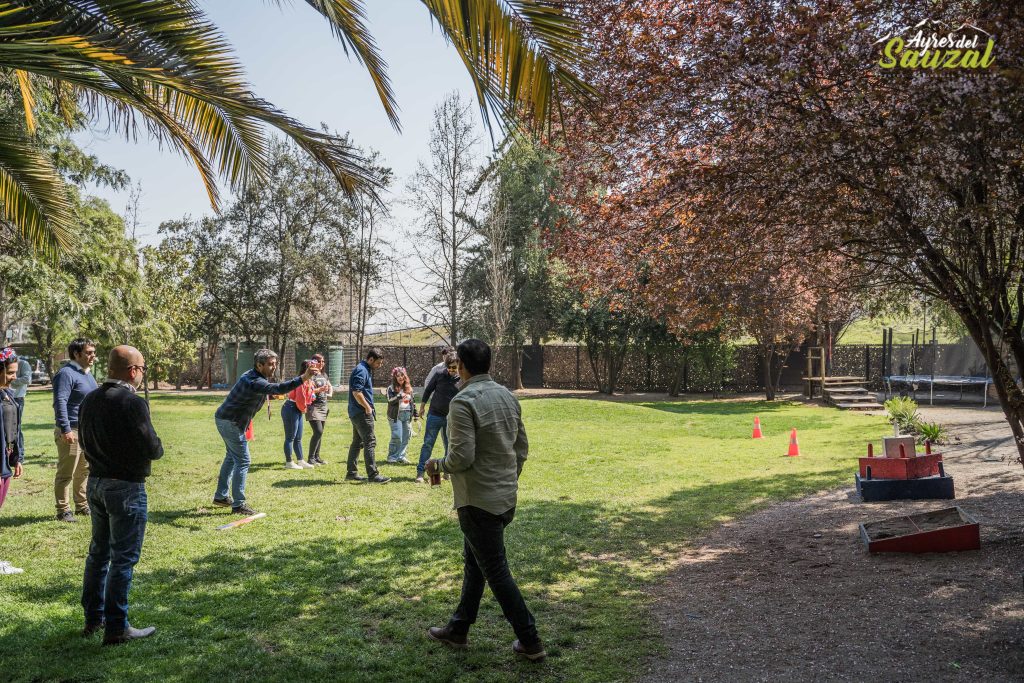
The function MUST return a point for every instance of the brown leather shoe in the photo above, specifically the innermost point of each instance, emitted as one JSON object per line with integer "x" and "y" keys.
{"x": 129, "y": 633}
{"x": 534, "y": 653}
{"x": 443, "y": 634}
{"x": 91, "y": 629}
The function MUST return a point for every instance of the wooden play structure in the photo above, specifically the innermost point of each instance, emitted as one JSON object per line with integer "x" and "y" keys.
{"x": 846, "y": 393}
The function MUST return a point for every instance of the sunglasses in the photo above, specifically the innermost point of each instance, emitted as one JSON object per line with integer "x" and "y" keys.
{"x": 140, "y": 367}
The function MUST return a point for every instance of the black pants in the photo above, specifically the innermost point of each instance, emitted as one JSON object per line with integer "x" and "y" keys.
{"x": 483, "y": 556}
{"x": 363, "y": 439}
{"x": 317, "y": 426}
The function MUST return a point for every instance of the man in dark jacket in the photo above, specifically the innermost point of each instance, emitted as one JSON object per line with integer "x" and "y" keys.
{"x": 120, "y": 443}
{"x": 233, "y": 416}
{"x": 441, "y": 389}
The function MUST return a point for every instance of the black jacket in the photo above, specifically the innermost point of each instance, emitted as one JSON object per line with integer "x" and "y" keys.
{"x": 116, "y": 433}
{"x": 440, "y": 391}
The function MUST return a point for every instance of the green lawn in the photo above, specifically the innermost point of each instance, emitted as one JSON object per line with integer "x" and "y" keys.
{"x": 340, "y": 581}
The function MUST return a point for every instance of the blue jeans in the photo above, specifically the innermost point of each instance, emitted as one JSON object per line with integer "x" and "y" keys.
{"x": 292, "y": 417}
{"x": 401, "y": 431}
{"x": 236, "y": 462}
{"x": 435, "y": 424}
{"x": 118, "y": 527}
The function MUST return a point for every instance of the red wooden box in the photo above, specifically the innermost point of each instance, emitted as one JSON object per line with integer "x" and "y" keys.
{"x": 938, "y": 531}
{"x": 901, "y": 468}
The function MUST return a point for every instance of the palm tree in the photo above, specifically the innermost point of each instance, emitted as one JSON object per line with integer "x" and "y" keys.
{"x": 162, "y": 64}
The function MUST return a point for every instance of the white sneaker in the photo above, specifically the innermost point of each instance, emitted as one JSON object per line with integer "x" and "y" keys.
{"x": 307, "y": 465}
{"x": 6, "y": 568}
{"x": 292, "y": 466}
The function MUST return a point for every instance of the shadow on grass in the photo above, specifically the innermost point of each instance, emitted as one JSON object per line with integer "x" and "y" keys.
{"x": 175, "y": 517}
{"x": 354, "y": 609}
{"x": 7, "y": 521}
{"x": 303, "y": 483}
{"x": 709, "y": 407}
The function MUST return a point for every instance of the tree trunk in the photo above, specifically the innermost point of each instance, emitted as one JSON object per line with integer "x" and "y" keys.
{"x": 1011, "y": 398}
{"x": 778, "y": 370}
{"x": 517, "y": 365}
{"x": 3, "y": 312}
{"x": 767, "y": 356}
{"x": 281, "y": 353}
{"x": 677, "y": 379}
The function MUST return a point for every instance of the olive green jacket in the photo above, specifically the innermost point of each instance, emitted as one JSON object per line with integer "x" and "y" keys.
{"x": 486, "y": 445}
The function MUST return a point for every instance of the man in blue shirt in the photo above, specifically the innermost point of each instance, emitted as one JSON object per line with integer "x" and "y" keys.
{"x": 233, "y": 416}
{"x": 362, "y": 415}
{"x": 70, "y": 385}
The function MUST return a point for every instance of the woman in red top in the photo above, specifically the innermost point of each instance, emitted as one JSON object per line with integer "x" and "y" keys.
{"x": 291, "y": 413}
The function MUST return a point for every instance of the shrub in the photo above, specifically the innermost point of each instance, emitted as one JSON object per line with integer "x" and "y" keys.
{"x": 903, "y": 413}
{"x": 931, "y": 431}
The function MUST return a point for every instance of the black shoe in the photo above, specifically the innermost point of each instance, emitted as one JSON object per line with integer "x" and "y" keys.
{"x": 380, "y": 479}
{"x": 243, "y": 510}
{"x": 129, "y": 633}
{"x": 534, "y": 653}
{"x": 84, "y": 512}
{"x": 354, "y": 476}
{"x": 223, "y": 502}
{"x": 91, "y": 629}
{"x": 443, "y": 634}
{"x": 66, "y": 517}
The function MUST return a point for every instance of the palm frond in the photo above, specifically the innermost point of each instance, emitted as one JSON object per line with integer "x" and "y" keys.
{"x": 28, "y": 99}
{"x": 521, "y": 54}
{"x": 33, "y": 197}
{"x": 347, "y": 19}
{"x": 160, "y": 59}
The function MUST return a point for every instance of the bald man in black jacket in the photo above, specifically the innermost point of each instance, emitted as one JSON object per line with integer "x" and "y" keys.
{"x": 120, "y": 443}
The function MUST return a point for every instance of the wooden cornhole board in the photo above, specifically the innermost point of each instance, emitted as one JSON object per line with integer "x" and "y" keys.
{"x": 939, "y": 531}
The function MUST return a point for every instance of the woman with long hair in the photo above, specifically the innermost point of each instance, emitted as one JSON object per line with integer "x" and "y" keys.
{"x": 10, "y": 430}
{"x": 401, "y": 408}
{"x": 292, "y": 411}
{"x": 316, "y": 413}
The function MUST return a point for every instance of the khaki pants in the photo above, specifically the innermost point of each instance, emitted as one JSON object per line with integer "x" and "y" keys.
{"x": 73, "y": 471}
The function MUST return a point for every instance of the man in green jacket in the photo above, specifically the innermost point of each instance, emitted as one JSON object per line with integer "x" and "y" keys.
{"x": 486, "y": 450}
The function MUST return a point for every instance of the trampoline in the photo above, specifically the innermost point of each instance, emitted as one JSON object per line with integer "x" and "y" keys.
{"x": 932, "y": 380}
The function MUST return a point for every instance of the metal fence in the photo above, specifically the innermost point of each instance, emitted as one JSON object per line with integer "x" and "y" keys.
{"x": 569, "y": 367}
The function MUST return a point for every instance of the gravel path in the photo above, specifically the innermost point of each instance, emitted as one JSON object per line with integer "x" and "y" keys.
{"x": 791, "y": 594}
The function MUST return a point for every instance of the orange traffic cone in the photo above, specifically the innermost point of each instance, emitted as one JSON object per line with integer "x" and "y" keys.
{"x": 757, "y": 428}
{"x": 794, "y": 448}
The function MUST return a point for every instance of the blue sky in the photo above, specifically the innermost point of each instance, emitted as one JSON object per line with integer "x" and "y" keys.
{"x": 293, "y": 61}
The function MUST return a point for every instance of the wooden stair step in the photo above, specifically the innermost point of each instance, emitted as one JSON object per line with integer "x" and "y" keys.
{"x": 838, "y": 381}
{"x": 844, "y": 405}
{"x": 845, "y": 390}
